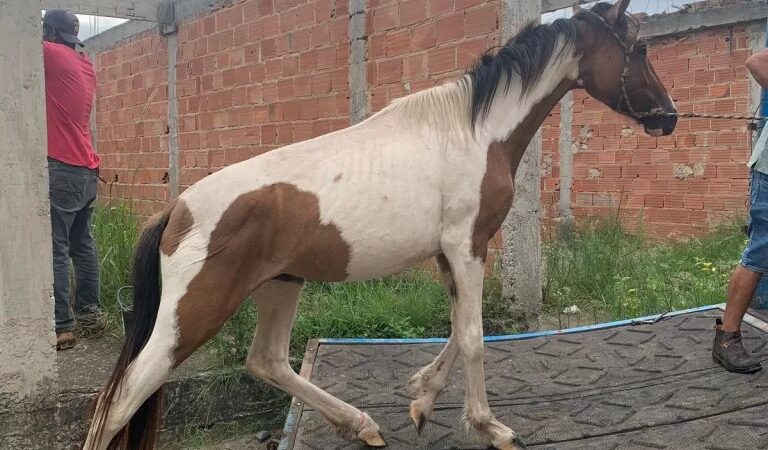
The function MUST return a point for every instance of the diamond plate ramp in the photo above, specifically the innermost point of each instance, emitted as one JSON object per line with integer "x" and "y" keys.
{"x": 614, "y": 386}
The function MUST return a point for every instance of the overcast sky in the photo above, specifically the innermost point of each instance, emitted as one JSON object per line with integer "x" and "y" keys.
{"x": 90, "y": 25}
{"x": 636, "y": 6}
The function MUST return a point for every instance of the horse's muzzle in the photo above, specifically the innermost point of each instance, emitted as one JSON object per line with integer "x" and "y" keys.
{"x": 659, "y": 126}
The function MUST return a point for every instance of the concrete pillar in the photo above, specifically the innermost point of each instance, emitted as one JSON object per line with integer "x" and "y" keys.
{"x": 566, "y": 158}
{"x": 26, "y": 274}
{"x": 166, "y": 16}
{"x": 358, "y": 73}
{"x": 521, "y": 231}
{"x": 171, "y": 41}
{"x": 27, "y": 341}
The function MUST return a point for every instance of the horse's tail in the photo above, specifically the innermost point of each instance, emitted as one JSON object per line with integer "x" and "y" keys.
{"x": 141, "y": 430}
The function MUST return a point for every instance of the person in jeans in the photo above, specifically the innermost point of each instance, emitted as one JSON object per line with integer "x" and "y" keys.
{"x": 728, "y": 349}
{"x": 70, "y": 84}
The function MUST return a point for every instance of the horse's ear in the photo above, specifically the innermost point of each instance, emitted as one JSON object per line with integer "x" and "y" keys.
{"x": 577, "y": 7}
{"x": 617, "y": 10}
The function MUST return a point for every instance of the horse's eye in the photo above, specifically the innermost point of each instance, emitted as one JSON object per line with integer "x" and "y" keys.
{"x": 642, "y": 49}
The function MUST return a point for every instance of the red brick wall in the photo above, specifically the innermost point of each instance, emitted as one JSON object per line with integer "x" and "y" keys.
{"x": 679, "y": 184}
{"x": 131, "y": 124}
{"x": 258, "y": 76}
{"x": 416, "y": 44}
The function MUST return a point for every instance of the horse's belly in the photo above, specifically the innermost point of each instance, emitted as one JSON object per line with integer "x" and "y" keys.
{"x": 384, "y": 247}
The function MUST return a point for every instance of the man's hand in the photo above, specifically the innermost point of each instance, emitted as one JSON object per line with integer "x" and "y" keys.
{"x": 758, "y": 67}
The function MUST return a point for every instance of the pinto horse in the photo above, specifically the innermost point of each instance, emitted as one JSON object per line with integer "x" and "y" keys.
{"x": 431, "y": 175}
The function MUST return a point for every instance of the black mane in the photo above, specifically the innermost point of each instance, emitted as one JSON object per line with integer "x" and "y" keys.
{"x": 527, "y": 54}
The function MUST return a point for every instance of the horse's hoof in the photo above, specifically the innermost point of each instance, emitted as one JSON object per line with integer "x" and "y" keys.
{"x": 419, "y": 419}
{"x": 515, "y": 444}
{"x": 374, "y": 440}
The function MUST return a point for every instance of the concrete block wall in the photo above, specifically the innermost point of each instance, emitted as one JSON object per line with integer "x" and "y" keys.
{"x": 254, "y": 75}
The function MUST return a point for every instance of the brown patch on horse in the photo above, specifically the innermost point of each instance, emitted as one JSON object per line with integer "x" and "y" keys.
{"x": 497, "y": 189}
{"x": 271, "y": 232}
{"x": 179, "y": 225}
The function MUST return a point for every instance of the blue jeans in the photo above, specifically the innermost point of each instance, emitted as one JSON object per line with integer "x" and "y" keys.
{"x": 755, "y": 256}
{"x": 73, "y": 196}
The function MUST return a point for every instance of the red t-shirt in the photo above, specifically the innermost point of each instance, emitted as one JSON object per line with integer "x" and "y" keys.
{"x": 70, "y": 84}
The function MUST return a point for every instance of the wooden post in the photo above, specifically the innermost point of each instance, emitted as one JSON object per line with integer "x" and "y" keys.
{"x": 521, "y": 231}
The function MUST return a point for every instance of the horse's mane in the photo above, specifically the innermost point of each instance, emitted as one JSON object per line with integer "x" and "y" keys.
{"x": 527, "y": 55}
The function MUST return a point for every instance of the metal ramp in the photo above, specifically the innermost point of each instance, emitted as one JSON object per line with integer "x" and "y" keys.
{"x": 621, "y": 385}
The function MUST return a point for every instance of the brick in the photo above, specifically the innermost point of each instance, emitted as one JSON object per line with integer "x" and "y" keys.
{"x": 719, "y": 61}
{"x": 305, "y": 14}
{"x": 308, "y": 109}
{"x": 377, "y": 47}
{"x": 385, "y": 18}
{"x": 424, "y": 36}
{"x": 321, "y": 83}
{"x": 302, "y": 131}
{"x": 326, "y": 58}
{"x": 481, "y": 21}
{"x": 339, "y": 29}
{"x": 390, "y": 71}
{"x": 439, "y": 7}
{"x": 285, "y": 89}
{"x": 441, "y": 60}
{"x": 653, "y": 201}
{"x": 319, "y": 34}
{"x": 308, "y": 61}
{"x": 411, "y": 12}
{"x": 415, "y": 66}
{"x": 398, "y": 42}
{"x": 450, "y": 27}
{"x": 703, "y": 77}
{"x": 731, "y": 170}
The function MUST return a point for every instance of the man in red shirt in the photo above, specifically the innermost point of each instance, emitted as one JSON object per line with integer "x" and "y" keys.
{"x": 70, "y": 84}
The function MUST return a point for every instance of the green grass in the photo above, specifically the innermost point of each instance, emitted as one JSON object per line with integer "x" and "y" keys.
{"x": 402, "y": 306}
{"x": 600, "y": 267}
{"x": 115, "y": 230}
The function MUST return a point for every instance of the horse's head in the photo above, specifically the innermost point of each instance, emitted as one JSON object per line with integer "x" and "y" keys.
{"x": 614, "y": 67}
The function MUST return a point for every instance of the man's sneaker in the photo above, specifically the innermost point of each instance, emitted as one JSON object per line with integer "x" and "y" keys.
{"x": 729, "y": 351}
{"x": 65, "y": 340}
{"x": 92, "y": 323}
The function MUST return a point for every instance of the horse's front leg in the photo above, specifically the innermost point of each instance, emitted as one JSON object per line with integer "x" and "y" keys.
{"x": 468, "y": 272}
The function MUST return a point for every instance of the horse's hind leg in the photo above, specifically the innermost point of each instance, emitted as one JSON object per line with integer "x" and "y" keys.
{"x": 190, "y": 313}
{"x": 276, "y": 302}
{"x": 427, "y": 384}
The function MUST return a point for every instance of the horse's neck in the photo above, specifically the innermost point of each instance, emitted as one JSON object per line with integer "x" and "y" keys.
{"x": 514, "y": 118}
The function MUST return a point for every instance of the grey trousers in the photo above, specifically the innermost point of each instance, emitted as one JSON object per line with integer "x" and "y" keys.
{"x": 73, "y": 196}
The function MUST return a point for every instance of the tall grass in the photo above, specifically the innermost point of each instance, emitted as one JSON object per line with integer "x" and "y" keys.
{"x": 115, "y": 230}
{"x": 602, "y": 268}
{"x": 402, "y": 306}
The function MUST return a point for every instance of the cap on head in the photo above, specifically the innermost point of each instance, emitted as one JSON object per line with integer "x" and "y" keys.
{"x": 65, "y": 23}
